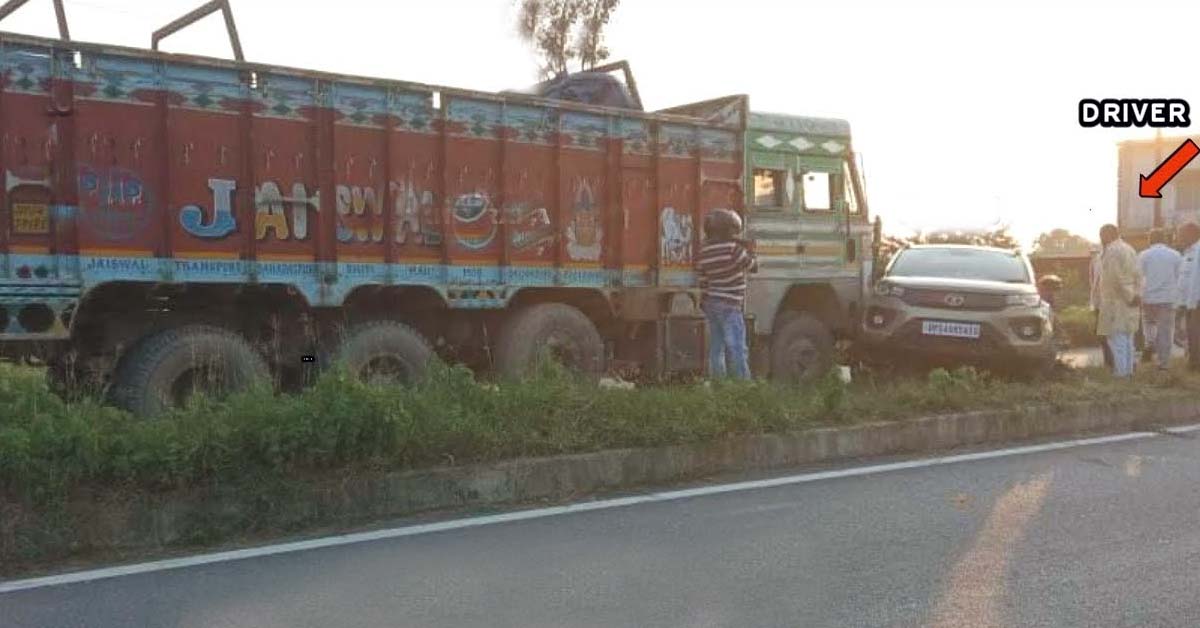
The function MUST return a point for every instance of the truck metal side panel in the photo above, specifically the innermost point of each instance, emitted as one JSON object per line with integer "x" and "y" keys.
{"x": 127, "y": 165}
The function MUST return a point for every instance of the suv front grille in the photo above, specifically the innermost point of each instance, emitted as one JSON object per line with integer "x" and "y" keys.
{"x": 971, "y": 301}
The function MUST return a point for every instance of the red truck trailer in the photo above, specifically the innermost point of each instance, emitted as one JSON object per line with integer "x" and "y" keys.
{"x": 173, "y": 222}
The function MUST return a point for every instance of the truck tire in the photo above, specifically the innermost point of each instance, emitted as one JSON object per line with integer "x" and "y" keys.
{"x": 385, "y": 352}
{"x": 163, "y": 370}
{"x": 801, "y": 348}
{"x": 560, "y": 331}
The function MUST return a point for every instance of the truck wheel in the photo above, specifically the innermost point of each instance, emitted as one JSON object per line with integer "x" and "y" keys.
{"x": 550, "y": 330}
{"x": 801, "y": 348}
{"x": 164, "y": 370}
{"x": 385, "y": 353}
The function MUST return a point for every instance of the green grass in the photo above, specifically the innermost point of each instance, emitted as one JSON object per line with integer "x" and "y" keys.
{"x": 50, "y": 447}
{"x": 1078, "y": 324}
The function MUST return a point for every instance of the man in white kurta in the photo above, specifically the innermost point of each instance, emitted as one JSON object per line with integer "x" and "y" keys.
{"x": 1120, "y": 298}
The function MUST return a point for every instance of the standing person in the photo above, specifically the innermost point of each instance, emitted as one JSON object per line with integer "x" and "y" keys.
{"x": 1120, "y": 298}
{"x": 1160, "y": 270}
{"x": 722, "y": 266}
{"x": 1189, "y": 290}
{"x": 1094, "y": 302}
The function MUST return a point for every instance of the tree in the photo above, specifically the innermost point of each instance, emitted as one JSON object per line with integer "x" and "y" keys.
{"x": 888, "y": 245}
{"x": 1061, "y": 241}
{"x": 561, "y": 31}
{"x": 997, "y": 236}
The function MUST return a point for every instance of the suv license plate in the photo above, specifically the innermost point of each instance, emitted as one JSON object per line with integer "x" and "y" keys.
{"x": 953, "y": 330}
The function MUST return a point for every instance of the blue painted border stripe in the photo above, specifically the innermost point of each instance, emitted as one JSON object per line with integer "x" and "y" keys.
{"x": 307, "y": 276}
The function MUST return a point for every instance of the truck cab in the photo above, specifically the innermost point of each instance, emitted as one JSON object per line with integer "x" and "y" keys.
{"x": 808, "y": 222}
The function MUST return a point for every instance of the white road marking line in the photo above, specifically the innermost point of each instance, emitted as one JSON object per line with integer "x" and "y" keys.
{"x": 1183, "y": 429}
{"x": 553, "y": 511}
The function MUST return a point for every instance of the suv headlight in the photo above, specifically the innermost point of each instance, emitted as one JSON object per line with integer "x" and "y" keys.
{"x": 1028, "y": 300}
{"x": 884, "y": 289}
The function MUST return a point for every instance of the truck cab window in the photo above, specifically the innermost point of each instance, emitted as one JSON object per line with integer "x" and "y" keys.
{"x": 770, "y": 190}
{"x": 816, "y": 189}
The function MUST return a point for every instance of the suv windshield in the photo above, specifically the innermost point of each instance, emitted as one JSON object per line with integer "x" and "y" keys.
{"x": 956, "y": 263}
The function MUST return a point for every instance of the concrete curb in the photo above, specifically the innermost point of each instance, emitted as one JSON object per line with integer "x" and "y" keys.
{"x": 99, "y": 523}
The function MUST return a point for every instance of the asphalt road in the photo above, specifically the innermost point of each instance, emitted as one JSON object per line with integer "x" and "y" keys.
{"x": 1101, "y": 535}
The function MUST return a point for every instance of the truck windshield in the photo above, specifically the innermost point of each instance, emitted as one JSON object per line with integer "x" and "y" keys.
{"x": 961, "y": 263}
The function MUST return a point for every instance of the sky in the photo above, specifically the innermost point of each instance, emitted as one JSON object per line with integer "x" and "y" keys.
{"x": 965, "y": 113}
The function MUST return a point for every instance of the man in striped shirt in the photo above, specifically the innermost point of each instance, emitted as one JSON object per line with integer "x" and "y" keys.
{"x": 722, "y": 267}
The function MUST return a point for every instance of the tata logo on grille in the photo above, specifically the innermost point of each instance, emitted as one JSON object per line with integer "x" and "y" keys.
{"x": 955, "y": 300}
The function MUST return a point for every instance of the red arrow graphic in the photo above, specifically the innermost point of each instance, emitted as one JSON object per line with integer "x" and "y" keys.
{"x": 1151, "y": 186}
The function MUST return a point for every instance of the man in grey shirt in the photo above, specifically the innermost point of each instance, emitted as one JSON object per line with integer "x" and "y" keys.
{"x": 1160, "y": 267}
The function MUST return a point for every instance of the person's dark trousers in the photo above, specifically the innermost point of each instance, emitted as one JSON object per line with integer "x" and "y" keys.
{"x": 1108, "y": 358}
{"x": 1193, "y": 339}
{"x": 1142, "y": 343}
